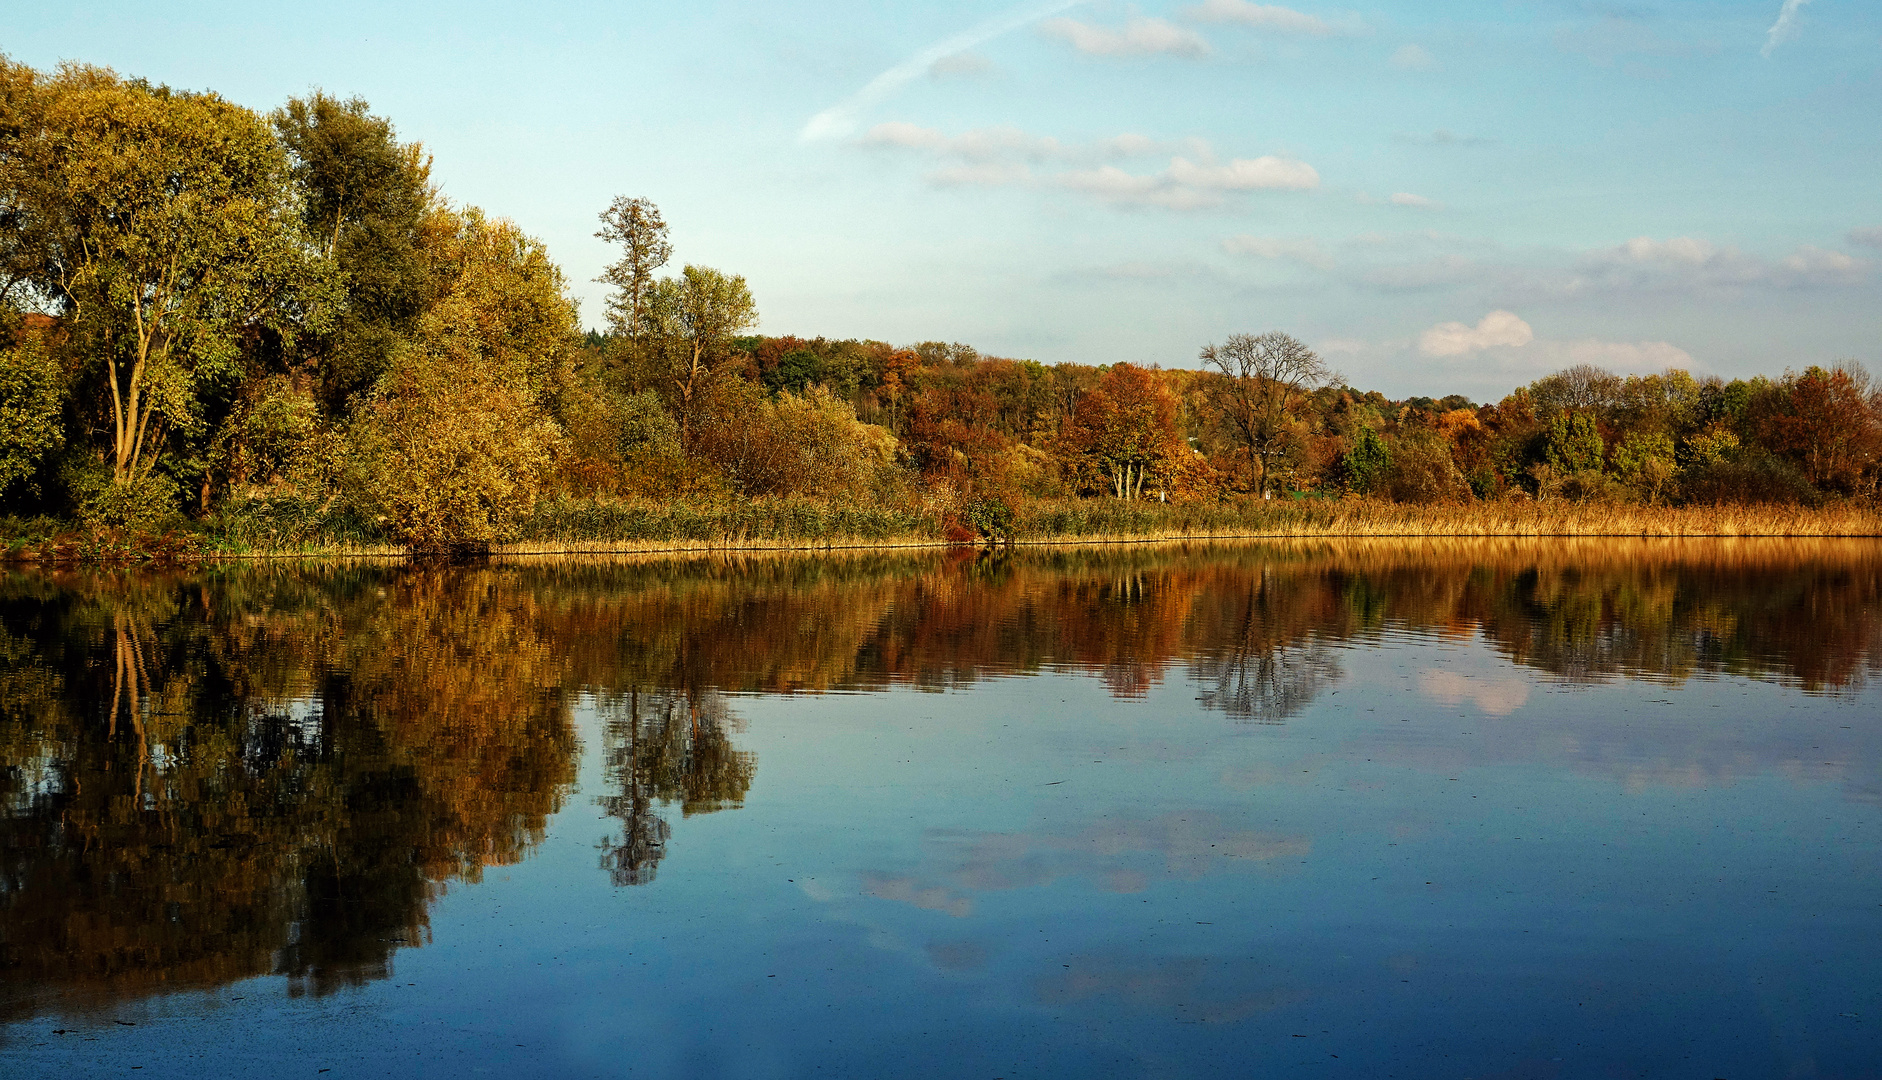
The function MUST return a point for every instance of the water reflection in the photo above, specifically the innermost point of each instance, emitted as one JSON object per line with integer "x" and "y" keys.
{"x": 268, "y": 770}
{"x": 207, "y": 779}
{"x": 666, "y": 747}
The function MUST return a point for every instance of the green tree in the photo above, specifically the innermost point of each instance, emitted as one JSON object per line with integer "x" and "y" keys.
{"x": 1364, "y": 467}
{"x": 1575, "y": 444}
{"x": 1644, "y": 461}
{"x": 364, "y": 199}
{"x": 692, "y": 320}
{"x": 162, "y": 227}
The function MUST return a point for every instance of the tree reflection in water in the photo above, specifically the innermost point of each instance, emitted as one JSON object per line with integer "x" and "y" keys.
{"x": 252, "y": 770}
{"x": 666, "y": 747}
{"x": 211, "y": 779}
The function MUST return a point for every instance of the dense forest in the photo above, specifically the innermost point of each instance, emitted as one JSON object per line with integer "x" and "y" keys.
{"x": 220, "y": 322}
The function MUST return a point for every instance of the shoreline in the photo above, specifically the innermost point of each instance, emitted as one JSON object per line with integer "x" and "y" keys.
{"x": 1078, "y": 526}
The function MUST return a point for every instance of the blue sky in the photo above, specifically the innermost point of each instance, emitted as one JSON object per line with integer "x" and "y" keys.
{"x": 1440, "y": 196}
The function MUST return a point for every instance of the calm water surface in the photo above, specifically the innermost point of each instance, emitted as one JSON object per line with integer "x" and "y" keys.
{"x": 1346, "y": 810}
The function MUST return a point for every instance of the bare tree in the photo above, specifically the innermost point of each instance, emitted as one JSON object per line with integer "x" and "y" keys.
{"x": 636, "y": 225}
{"x": 1263, "y": 376}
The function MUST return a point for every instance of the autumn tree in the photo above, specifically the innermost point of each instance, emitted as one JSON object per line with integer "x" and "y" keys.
{"x": 692, "y": 320}
{"x": 1124, "y": 431}
{"x": 161, "y": 226}
{"x": 32, "y": 397}
{"x": 637, "y": 226}
{"x": 1264, "y": 377}
{"x": 458, "y": 438}
{"x": 1824, "y": 420}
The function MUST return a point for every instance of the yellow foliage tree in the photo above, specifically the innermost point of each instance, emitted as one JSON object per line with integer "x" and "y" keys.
{"x": 457, "y": 439}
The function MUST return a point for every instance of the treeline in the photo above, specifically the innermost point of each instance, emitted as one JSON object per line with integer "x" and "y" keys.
{"x": 212, "y": 316}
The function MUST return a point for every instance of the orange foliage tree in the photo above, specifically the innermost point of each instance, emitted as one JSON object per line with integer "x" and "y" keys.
{"x": 1123, "y": 432}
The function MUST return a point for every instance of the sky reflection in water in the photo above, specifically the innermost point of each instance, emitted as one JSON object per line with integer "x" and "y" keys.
{"x": 1521, "y": 810}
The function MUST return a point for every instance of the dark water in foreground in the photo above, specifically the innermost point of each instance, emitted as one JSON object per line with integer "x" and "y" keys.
{"x": 1347, "y": 810}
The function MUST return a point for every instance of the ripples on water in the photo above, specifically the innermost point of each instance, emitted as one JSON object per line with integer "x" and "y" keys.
{"x": 1471, "y": 809}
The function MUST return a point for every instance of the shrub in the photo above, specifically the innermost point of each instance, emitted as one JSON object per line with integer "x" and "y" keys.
{"x": 147, "y": 504}
{"x": 453, "y": 464}
{"x": 1422, "y": 470}
{"x": 1750, "y": 479}
{"x": 32, "y": 394}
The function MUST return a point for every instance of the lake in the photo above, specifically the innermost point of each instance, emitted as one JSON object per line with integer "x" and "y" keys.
{"x": 1349, "y": 809}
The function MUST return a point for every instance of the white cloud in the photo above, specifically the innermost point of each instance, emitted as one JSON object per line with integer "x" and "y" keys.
{"x": 1622, "y": 356}
{"x": 986, "y": 174}
{"x": 841, "y": 119}
{"x": 979, "y": 144}
{"x": 1820, "y": 264}
{"x": 1686, "y": 262}
{"x": 970, "y": 65}
{"x": 1680, "y": 250}
{"x": 1416, "y": 202}
{"x": 1784, "y": 28}
{"x": 1410, "y": 57}
{"x": 902, "y": 134}
{"x": 1140, "y": 36}
{"x": 1188, "y": 185}
{"x": 1111, "y": 184}
{"x": 1260, "y": 16}
{"x": 1457, "y": 339}
{"x": 1304, "y": 250}
{"x": 1447, "y": 137}
{"x": 1011, "y": 143}
{"x": 1517, "y": 346}
{"x": 1245, "y": 174}
{"x": 1193, "y": 180}
{"x": 1866, "y": 237}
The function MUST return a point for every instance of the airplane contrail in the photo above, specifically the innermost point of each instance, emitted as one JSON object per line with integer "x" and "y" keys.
{"x": 1785, "y": 27}
{"x": 840, "y": 119}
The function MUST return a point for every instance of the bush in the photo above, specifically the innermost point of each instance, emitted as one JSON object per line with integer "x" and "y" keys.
{"x": 810, "y": 445}
{"x": 145, "y": 505}
{"x": 1422, "y": 471}
{"x": 32, "y": 394}
{"x": 1750, "y": 479}
{"x": 453, "y": 465}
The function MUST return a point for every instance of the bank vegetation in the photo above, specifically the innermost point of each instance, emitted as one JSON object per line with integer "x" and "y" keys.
{"x": 229, "y": 332}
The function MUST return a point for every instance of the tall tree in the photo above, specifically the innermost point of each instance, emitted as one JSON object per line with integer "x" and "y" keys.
{"x": 161, "y": 226}
{"x": 637, "y": 226}
{"x": 692, "y": 320}
{"x": 1264, "y": 377}
{"x": 364, "y": 199}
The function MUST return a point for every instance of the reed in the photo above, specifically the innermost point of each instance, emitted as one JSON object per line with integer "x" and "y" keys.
{"x": 578, "y": 528}
{"x": 1111, "y": 520}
